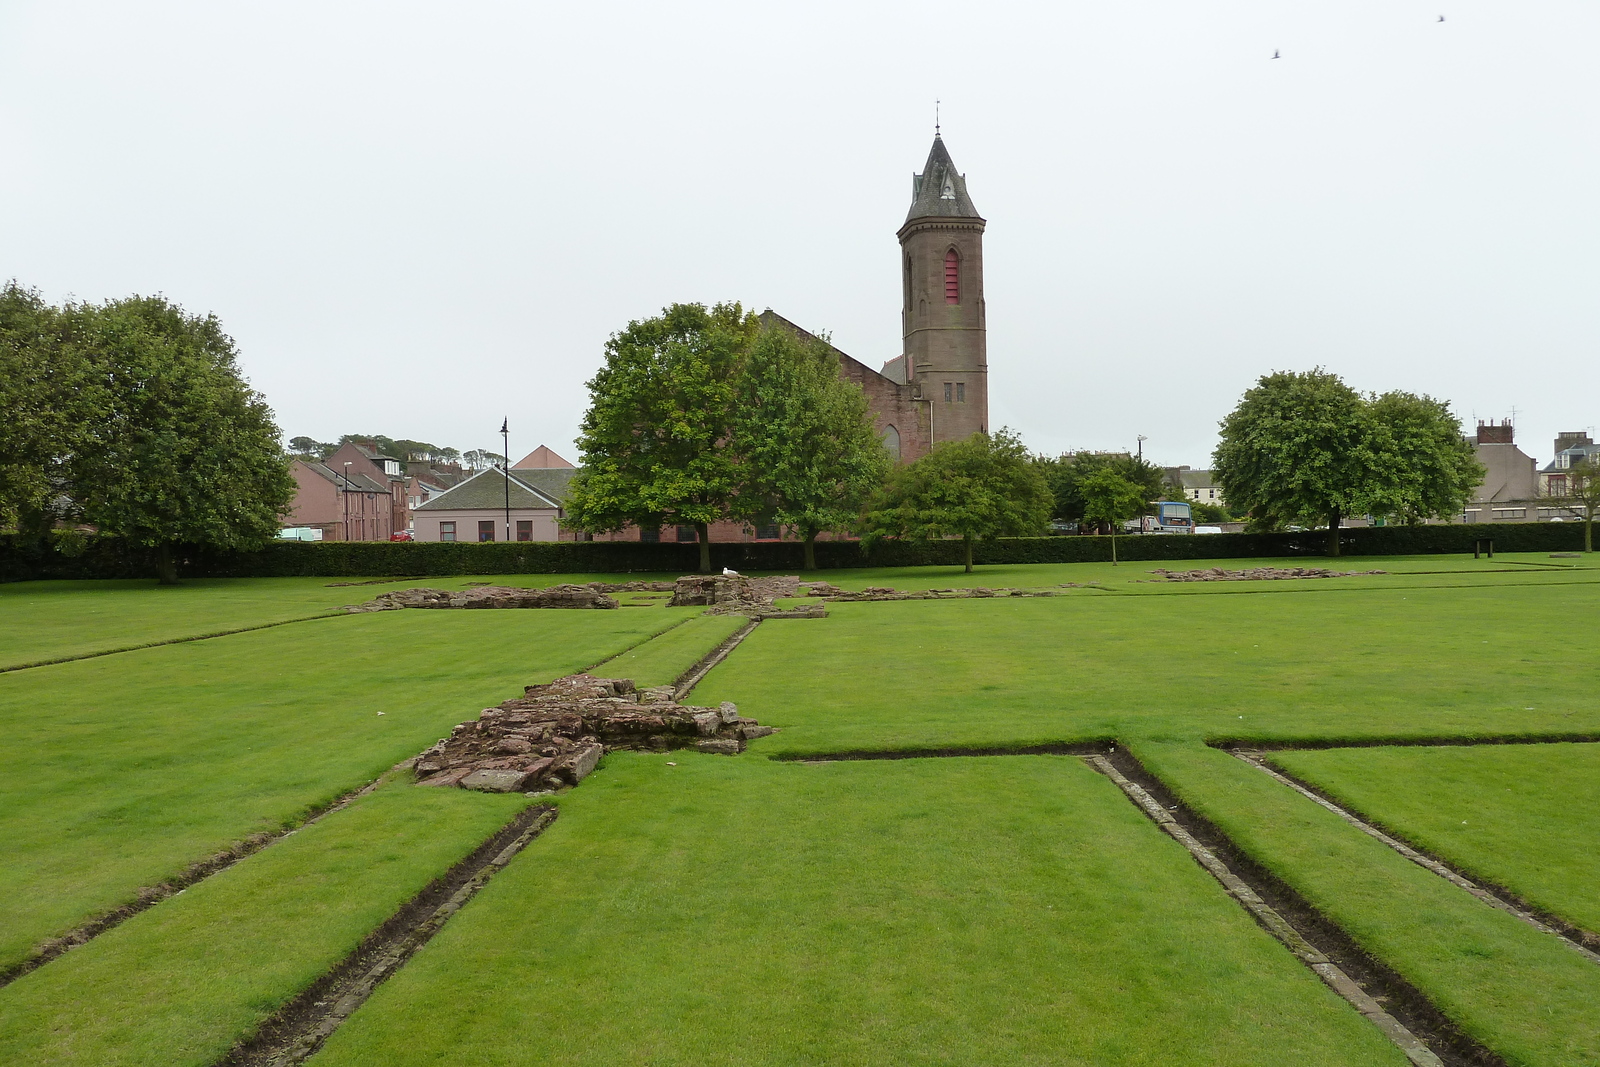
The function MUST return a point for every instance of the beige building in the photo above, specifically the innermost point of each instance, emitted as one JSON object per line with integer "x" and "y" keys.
{"x": 1510, "y": 488}
{"x": 476, "y": 510}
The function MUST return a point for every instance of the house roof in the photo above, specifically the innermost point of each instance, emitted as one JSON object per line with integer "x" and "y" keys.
{"x": 486, "y": 490}
{"x": 540, "y": 458}
{"x": 1576, "y": 454}
{"x": 1196, "y": 479}
{"x": 356, "y": 482}
{"x": 940, "y": 191}
{"x": 551, "y": 481}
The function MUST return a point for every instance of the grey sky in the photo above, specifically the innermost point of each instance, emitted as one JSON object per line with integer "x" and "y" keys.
{"x": 418, "y": 218}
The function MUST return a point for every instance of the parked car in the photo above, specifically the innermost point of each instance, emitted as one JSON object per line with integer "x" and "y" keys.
{"x": 1207, "y": 529}
{"x": 401, "y": 535}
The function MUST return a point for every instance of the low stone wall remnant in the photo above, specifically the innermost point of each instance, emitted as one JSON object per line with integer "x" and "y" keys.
{"x": 491, "y": 596}
{"x": 555, "y": 734}
{"x": 1255, "y": 574}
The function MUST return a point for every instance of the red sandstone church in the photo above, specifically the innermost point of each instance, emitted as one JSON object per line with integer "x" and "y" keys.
{"x": 937, "y": 389}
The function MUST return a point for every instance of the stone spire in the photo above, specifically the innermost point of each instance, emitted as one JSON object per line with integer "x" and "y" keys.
{"x": 939, "y": 191}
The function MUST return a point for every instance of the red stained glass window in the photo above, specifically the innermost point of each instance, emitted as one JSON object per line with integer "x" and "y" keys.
{"x": 952, "y": 277}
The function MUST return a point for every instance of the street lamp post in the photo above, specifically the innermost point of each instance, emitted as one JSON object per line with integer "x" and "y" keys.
{"x": 347, "y": 501}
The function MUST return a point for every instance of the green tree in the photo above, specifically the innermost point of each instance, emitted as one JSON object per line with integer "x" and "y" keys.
{"x": 808, "y": 453}
{"x": 310, "y": 446}
{"x": 1305, "y": 447}
{"x": 179, "y": 450}
{"x": 655, "y": 440}
{"x": 1111, "y": 498}
{"x": 1067, "y": 473}
{"x": 44, "y": 409}
{"x": 1582, "y": 494}
{"x": 1434, "y": 468}
{"x": 984, "y": 486}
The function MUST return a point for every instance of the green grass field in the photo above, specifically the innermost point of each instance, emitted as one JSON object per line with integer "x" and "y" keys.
{"x": 1523, "y": 816}
{"x": 914, "y": 912}
{"x": 141, "y": 763}
{"x": 178, "y": 984}
{"x": 981, "y": 910}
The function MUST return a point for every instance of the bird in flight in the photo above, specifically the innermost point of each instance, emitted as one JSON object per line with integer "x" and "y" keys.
{"x": 1275, "y": 53}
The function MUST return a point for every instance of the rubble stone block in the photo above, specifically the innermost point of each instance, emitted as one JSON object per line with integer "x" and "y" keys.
{"x": 720, "y": 746}
{"x": 504, "y": 780}
{"x": 448, "y": 778}
{"x": 575, "y": 766}
{"x": 729, "y": 711}
{"x": 749, "y": 730}
{"x": 707, "y": 722}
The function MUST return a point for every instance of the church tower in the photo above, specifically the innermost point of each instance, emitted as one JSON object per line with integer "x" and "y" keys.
{"x": 942, "y": 318}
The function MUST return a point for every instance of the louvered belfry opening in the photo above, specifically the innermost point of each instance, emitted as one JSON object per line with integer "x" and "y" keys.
{"x": 952, "y": 277}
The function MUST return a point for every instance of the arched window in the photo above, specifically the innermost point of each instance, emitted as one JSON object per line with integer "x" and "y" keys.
{"x": 891, "y": 441}
{"x": 952, "y": 277}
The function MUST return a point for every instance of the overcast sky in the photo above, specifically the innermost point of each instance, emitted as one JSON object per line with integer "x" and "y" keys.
{"x": 416, "y": 219}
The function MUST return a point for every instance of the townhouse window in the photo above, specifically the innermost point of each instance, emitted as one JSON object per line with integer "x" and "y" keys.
{"x": 686, "y": 533}
{"x": 447, "y": 531}
{"x": 961, "y": 392}
{"x": 485, "y": 529}
{"x": 524, "y": 529}
{"x": 949, "y": 388}
{"x": 650, "y": 534}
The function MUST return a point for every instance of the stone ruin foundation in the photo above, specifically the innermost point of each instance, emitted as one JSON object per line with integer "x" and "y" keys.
{"x": 1254, "y": 574}
{"x": 555, "y": 734}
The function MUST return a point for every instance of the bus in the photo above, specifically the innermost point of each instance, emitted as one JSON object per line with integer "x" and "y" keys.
{"x": 1171, "y": 517}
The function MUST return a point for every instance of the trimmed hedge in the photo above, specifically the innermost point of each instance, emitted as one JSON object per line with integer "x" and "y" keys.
{"x": 75, "y": 556}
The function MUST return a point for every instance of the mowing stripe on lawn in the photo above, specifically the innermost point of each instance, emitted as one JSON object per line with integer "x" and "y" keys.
{"x": 1075, "y": 748}
{"x": 642, "y": 641}
{"x": 692, "y": 676}
{"x": 169, "y": 641}
{"x": 1270, "y": 919}
{"x": 1251, "y": 891}
{"x": 194, "y": 874}
{"x": 1569, "y": 935}
{"x": 299, "y": 1029}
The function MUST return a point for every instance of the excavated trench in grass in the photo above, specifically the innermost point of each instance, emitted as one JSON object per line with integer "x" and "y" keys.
{"x": 297, "y": 1030}
{"x": 1586, "y": 942}
{"x": 1398, "y": 998}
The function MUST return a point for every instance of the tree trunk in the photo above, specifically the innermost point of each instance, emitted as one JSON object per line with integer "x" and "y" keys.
{"x": 704, "y": 531}
{"x": 1588, "y": 530}
{"x": 166, "y": 566}
{"x": 1333, "y": 533}
{"x": 811, "y": 550}
{"x": 967, "y": 541}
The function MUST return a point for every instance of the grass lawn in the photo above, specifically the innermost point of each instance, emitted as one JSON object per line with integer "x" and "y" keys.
{"x": 1320, "y": 661}
{"x": 1520, "y": 992}
{"x": 180, "y": 983}
{"x": 1002, "y": 911}
{"x": 661, "y": 660}
{"x": 128, "y": 768}
{"x": 1524, "y": 816}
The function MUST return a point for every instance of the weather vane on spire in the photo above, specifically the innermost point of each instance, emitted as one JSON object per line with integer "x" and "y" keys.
{"x": 936, "y": 117}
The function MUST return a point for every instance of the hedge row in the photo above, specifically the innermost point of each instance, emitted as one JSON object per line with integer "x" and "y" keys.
{"x": 75, "y": 556}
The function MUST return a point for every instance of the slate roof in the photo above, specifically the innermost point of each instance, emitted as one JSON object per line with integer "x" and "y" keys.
{"x": 486, "y": 491}
{"x": 939, "y": 191}
{"x": 1197, "y": 479}
{"x": 551, "y": 481}
{"x": 358, "y": 482}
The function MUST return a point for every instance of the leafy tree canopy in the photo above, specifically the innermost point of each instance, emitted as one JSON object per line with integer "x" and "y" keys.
{"x": 157, "y": 439}
{"x": 984, "y": 486}
{"x": 44, "y": 409}
{"x": 655, "y": 441}
{"x": 1111, "y": 498}
{"x": 807, "y": 450}
{"x": 1305, "y": 447}
{"x": 1067, "y": 473}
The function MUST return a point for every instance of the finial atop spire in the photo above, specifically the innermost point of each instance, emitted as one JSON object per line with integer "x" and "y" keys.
{"x": 936, "y": 117}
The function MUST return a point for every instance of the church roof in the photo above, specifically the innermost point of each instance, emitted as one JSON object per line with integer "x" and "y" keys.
{"x": 939, "y": 191}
